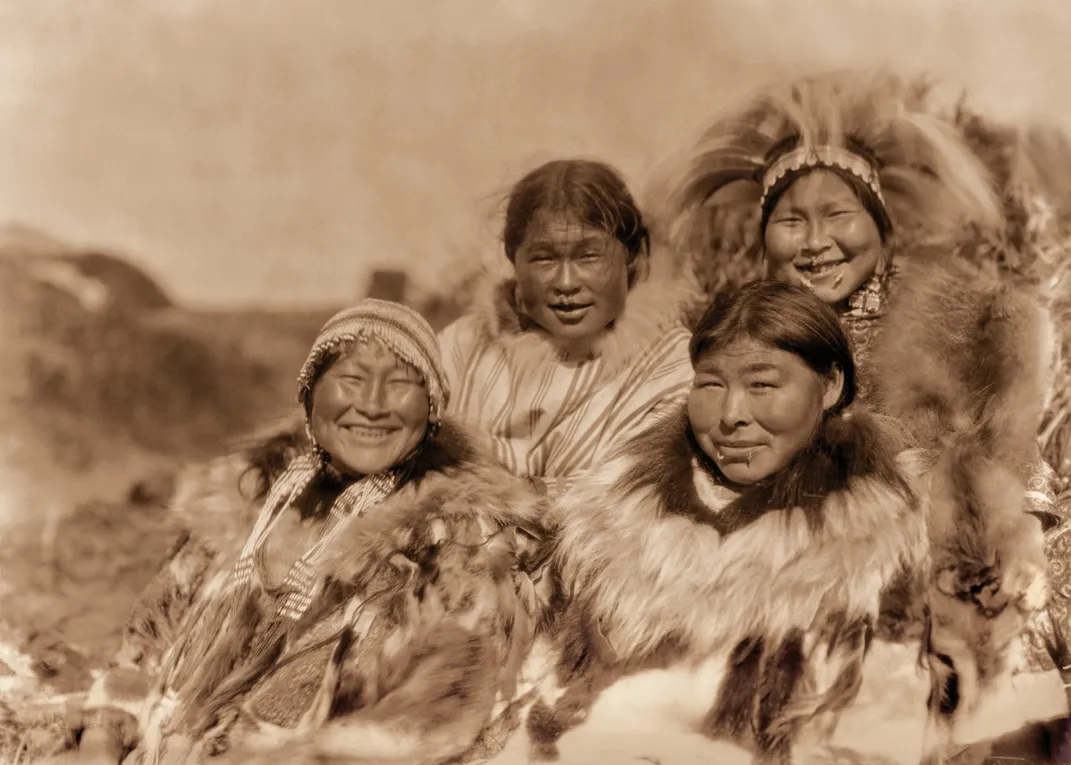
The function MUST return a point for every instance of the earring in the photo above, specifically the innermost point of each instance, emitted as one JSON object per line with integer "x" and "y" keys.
{"x": 517, "y": 303}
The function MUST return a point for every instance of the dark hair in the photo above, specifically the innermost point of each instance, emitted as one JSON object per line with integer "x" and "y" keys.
{"x": 783, "y": 316}
{"x": 863, "y": 193}
{"x": 592, "y": 192}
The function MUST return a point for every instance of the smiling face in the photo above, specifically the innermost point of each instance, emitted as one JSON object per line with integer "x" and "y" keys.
{"x": 572, "y": 278}
{"x": 369, "y": 410}
{"x": 753, "y": 408}
{"x": 820, "y": 235}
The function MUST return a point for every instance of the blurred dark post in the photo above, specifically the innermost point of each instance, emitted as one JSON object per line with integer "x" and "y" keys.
{"x": 388, "y": 284}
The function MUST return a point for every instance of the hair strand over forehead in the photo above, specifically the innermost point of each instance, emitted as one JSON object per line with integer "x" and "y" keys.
{"x": 589, "y": 192}
{"x": 783, "y": 316}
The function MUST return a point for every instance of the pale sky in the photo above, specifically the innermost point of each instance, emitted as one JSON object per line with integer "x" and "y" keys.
{"x": 270, "y": 151}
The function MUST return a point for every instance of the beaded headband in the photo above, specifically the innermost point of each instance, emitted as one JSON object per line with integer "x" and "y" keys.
{"x": 820, "y": 156}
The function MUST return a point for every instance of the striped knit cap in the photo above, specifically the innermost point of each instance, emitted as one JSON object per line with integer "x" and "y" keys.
{"x": 399, "y": 328}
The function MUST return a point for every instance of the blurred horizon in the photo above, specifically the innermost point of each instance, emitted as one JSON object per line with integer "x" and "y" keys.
{"x": 270, "y": 155}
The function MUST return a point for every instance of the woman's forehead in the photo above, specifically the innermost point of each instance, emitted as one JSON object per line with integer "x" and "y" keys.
{"x": 561, "y": 228}
{"x": 744, "y": 354}
{"x": 817, "y": 186}
{"x": 371, "y": 353}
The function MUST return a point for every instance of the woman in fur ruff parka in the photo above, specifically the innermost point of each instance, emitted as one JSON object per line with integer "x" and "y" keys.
{"x": 374, "y": 603}
{"x": 723, "y": 572}
{"x": 853, "y": 191}
{"x": 743, "y": 542}
{"x": 578, "y": 337}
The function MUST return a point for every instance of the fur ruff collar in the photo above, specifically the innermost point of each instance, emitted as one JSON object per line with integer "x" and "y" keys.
{"x": 654, "y": 552}
{"x": 218, "y": 503}
{"x": 654, "y": 305}
{"x": 454, "y": 506}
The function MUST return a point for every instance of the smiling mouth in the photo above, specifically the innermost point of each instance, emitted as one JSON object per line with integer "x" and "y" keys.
{"x": 820, "y": 265}
{"x": 368, "y": 433}
{"x": 570, "y": 313}
{"x": 821, "y": 271}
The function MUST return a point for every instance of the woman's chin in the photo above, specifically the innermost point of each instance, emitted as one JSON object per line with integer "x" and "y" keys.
{"x": 831, "y": 295}
{"x": 368, "y": 463}
{"x": 742, "y": 475}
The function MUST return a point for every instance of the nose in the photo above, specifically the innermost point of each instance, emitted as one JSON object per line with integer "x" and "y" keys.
{"x": 371, "y": 400}
{"x": 735, "y": 411}
{"x": 818, "y": 239}
{"x": 565, "y": 278}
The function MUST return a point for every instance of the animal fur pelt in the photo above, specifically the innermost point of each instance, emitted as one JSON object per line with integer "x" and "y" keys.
{"x": 661, "y": 567}
{"x": 450, "y": 567}
{"x": 966, "y": 362}
{"x": 663, "y": 293}
{"x": 216, "y": 504}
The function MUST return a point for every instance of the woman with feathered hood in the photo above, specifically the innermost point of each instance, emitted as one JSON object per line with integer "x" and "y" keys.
{"x": 373, "y": 602}
{"x": 724, "y": 570}
{"x": 849, "y": 188}
{"x": 579, "y": 335}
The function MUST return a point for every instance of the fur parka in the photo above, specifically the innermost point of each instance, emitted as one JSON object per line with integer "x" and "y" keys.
{"x": 778, "y": 588}
{"x": 450, "y": 566}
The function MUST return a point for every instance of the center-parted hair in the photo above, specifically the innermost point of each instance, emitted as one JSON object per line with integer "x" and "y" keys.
{"x": 591, "y": 192}
{"x": 783, "y": 316}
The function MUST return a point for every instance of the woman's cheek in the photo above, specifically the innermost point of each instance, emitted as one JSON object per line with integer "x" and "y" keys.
{"x": 856, "y": 237}
{"x": 703, "y": 410}
{"x": 329, "y": 399}
{"x": 779, "y": 412}
{"x": 781, "y": 247}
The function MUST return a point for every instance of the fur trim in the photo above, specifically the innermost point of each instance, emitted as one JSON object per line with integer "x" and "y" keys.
{"x": 966, "y": 363}
{"x": 782, "y": 581}
{"x": 666, "y": 565}
{"x": 449, "y": 565}
{"x": 654, "y": 304}
{"x": 960, "y": 350}
{"x": 933, "y": 186}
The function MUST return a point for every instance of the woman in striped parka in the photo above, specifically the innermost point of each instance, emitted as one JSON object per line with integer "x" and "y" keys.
{"x": 577, "y": 338}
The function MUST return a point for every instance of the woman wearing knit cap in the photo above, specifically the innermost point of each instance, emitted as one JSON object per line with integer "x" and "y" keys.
{"x": 373, "y": 603}
{"x": 863, "y": 199}
{"x": 578, "y": 338}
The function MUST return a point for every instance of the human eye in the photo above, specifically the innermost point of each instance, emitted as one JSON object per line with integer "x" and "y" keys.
{"x": 762, "y": 384}
{"x": 541, "y": 254}
{"x": 401, "y": 382}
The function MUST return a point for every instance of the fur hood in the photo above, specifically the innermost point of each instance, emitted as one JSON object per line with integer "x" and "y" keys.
{"x": 654, "y": 552}
{"x": 661, "y": 298}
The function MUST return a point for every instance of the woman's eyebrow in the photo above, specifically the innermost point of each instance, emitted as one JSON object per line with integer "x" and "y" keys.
{"x": 762, "y": 366}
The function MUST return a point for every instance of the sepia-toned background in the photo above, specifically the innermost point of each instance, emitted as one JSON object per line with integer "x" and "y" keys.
{"x": 268, "y": 151}
{"x": 188, "y": 188}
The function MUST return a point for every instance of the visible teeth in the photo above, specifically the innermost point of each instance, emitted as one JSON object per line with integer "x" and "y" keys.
{"x": 368, "y": 432}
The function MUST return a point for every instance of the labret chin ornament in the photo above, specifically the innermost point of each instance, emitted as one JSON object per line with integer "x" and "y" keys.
{"x": 810, "y": 285}
{"x": 747, "y": 459}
